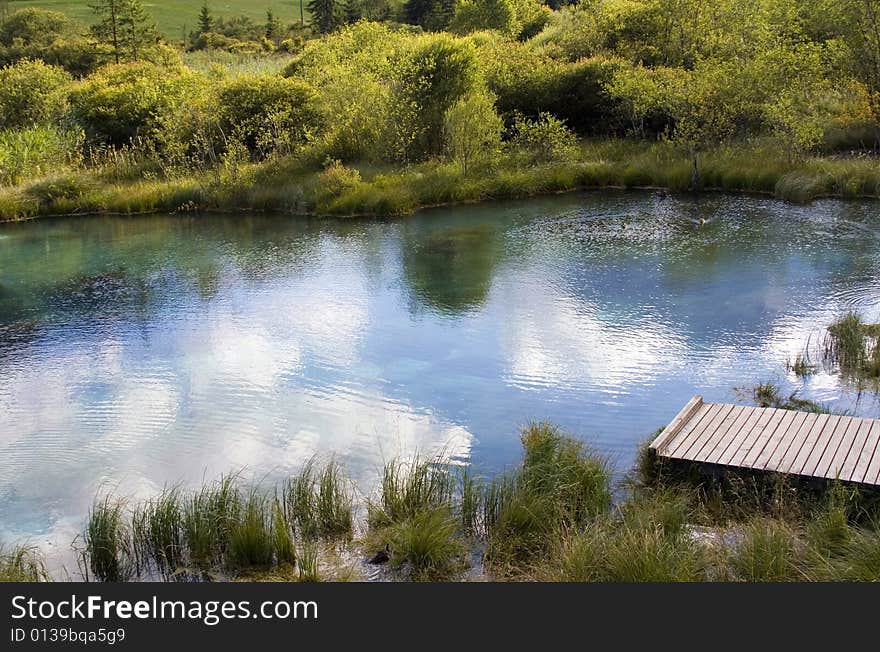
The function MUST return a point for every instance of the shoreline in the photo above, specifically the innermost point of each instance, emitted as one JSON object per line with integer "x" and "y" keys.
{"x": 293, "y": 187}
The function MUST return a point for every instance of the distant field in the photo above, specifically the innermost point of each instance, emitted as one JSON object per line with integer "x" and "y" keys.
{"x": 175, "y": 17}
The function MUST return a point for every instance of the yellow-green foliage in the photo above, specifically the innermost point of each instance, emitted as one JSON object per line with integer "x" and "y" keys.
{"x": 48, "y": 35}
{"x": 31, "y": 93}
{"x": 133, "y": 100}
{"x": 268, "y": 113}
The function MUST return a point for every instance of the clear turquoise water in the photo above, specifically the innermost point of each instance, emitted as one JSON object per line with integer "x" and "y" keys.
{"x": 140, "y": 351}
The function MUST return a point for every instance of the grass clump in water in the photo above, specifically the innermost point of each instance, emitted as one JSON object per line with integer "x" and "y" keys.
{"x": 251, "y": 538}
{"x": 768, "y": 395}
{"x": 157, "y": 531}
{"x": 422, "y": 520}
{"x": 319, "y": 504}
{"x": 208, "y": 517}
{"x": 334, "y": 504}
{"x": 21, "y": 563}
{"x": 108, "y": 543}
{"x": 428, "y": 544}
{"x": 559, "y": 486}
{"x": 409, "y": 489}
{"x": 854, "y": 346}
{"x": 282, "y": 537}
{"x": 801, "y": 366}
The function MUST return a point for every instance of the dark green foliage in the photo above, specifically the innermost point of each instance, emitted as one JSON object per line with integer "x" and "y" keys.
{"x": 124, "y": 26}
{"x": 353, "y": 11}
{"x": 206, "y": 20}
{"x": 327, "y": 15}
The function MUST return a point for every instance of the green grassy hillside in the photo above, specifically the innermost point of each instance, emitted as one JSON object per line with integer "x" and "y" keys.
{"x": 174, "y": 17}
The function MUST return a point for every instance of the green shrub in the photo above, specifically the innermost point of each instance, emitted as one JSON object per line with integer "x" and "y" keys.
{"x": 269, "y": 113}
{"x": 121, "y": 103}
{"x": 429, "y": 543}
{"x": 545, "y": 140}
{"x": 48, "y": 35}
{"x": 472, "y": 130}
{"x": 31, "y": 93}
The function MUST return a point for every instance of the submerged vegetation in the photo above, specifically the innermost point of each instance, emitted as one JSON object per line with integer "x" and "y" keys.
{"x": 379, "y": 110}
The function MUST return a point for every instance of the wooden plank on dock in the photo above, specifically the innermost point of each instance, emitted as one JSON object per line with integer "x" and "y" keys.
{"x": 730, "y": 439}
{"x": 699, "y": 438}
{"x": 733, "y": 421}
{"x": 770, "y": 439}
{"x": 870, "y": 450}
{"x": 682, "y": 437}
{"x": 675, "y": 425}
{"x": 836, "y": 463}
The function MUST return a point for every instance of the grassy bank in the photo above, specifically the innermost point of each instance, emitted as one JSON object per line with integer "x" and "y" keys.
{"x": 296, "y": 186}
{"x": 551, "y": 518}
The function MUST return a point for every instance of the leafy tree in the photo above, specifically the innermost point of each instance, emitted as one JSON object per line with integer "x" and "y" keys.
{"x": 434, "y": 77}
{"x": 124, "y": 26}
{"x": 327, "y": 15}
{"x": 472, "y": 129}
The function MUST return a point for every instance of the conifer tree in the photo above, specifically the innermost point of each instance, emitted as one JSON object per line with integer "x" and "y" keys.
{"x": 327, "y": 15}
{"x": 206, "y": 20}
{"x": 125, "y": 26}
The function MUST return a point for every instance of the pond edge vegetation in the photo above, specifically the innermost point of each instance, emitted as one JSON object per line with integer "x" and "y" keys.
{"x": 551, "y": 518}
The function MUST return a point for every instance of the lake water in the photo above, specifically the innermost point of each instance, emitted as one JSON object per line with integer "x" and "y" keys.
{"x": 140, "y": 351}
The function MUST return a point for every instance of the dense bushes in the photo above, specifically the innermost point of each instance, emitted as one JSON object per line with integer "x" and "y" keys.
{"x": 530, "y": 83}
{"x": 31, "y": 93}
{"x": 268, "y": 113}
{"x": 123, "y": 102}
{"x": 47, "y": 35}
{"x": 751, "y": 92}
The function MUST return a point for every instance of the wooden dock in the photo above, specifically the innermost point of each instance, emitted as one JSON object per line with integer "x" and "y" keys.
{"x": 768, "y": 439}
